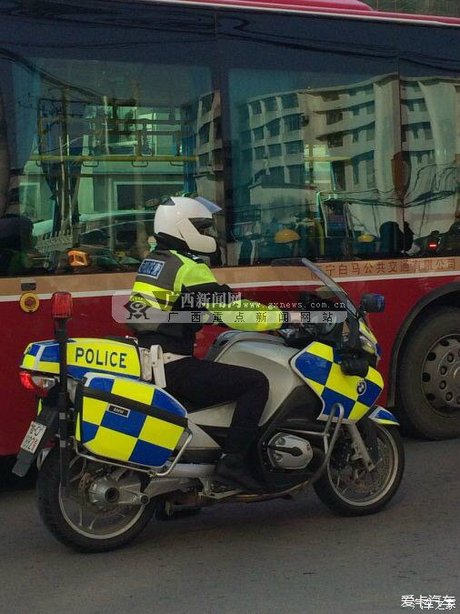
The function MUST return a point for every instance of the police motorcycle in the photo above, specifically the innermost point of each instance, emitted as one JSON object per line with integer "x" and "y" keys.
{"x": 114, "y": 449}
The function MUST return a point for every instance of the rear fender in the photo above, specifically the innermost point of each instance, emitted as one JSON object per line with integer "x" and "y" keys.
{"x": 48, "y": 417}
{"x": 382, "y": 416}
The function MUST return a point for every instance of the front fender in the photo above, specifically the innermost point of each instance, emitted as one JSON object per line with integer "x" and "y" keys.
{"x": 382, "y": 416}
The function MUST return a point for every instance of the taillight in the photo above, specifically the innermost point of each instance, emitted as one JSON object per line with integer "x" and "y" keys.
{"x": 38, "y": 384}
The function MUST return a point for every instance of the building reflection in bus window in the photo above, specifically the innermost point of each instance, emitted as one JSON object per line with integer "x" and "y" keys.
{"x": 325, "y": 170}
{"x": 430, "y": 111}
{"x": 17, "y": 253}
{"x": 101, "y": 149}
{"x": 361, "y": 163}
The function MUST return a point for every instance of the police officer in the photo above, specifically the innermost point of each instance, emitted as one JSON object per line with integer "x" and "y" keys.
{"x": 174, "y": 281}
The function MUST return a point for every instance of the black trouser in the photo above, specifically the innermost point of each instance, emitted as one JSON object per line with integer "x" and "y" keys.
{"x": 205, "y": 383}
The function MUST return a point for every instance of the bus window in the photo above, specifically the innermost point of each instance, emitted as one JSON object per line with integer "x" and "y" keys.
{"x": 89, "y": 146}
{"x": 304, "y": 129}
{"x": 430, "y": 108}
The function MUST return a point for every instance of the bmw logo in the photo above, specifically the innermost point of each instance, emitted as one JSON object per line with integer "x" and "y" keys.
{"x": 361, "y": 387}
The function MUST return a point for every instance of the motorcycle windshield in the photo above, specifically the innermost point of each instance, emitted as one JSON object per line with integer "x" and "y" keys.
{"x": 311, "y": 279}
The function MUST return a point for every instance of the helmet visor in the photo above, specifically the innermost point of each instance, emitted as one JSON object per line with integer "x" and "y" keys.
{"x": 203, "y": 225}
{"x": 210, "y": 206}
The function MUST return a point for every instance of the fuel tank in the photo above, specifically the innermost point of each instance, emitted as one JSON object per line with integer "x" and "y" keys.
{"x": 255, "y": 351}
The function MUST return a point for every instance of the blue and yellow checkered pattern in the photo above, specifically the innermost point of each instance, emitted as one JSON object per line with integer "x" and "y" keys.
{"x": 111, "y": 422}
{"x": 319, "y": 366}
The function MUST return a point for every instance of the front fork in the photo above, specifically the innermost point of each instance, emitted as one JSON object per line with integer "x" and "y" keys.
{"x": 364, "y": 439}
{"x": 359, "y": 446}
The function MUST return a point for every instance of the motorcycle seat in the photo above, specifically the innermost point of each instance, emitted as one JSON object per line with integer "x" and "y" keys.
{"x": 193, "y": 407}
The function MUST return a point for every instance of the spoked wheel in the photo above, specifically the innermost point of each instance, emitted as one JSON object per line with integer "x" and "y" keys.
{"x": 347, "y": 487}
{"x": 96, "y": 512}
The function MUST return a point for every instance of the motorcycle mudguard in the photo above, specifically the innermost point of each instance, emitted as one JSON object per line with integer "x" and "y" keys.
{"x": 383, "y": 416}
{"x": 49, "y": 418}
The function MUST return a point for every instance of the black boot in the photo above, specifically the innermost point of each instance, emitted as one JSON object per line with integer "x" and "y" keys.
{"x": 232, "y": 468}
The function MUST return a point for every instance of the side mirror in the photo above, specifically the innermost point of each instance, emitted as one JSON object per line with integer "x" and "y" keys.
{"x": 372, "y": 303}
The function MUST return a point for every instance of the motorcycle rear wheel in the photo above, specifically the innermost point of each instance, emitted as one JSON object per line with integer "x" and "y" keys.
{"x": 349, "y": 489}
{"x": 76, "y": 521}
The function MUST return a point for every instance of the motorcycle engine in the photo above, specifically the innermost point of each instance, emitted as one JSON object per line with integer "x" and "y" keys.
{"x": 287, "y": 451}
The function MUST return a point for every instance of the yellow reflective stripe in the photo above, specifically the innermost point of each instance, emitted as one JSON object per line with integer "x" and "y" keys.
{"x": 135, "y": 391}
{"x": 153, "y": 294}
{"x": 160, "y": 433}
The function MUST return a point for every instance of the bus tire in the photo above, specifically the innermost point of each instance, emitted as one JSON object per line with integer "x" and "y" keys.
{"x": 429, "y": 389}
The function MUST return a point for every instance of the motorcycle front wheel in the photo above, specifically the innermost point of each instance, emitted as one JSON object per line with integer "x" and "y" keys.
{"x": 348, "y": 488}
{"x": 87, "y": 516}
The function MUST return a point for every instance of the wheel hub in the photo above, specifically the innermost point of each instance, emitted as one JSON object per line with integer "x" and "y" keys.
{"x": 103, "y": 492}
{"x": 441, "y": 375}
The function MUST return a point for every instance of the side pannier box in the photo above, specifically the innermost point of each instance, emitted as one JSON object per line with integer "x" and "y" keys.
{"x": 128, "y": 420}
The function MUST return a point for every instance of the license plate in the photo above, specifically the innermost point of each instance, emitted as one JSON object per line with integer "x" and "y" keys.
{"x": 33, "y": 437}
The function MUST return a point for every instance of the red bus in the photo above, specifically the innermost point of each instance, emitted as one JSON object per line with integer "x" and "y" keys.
{"x": 322, "y": 128}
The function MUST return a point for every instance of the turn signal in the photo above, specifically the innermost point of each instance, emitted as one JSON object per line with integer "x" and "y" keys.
{"x": 38, "y": 384}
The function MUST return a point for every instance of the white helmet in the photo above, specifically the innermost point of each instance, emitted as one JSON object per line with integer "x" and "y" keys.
{"x": 183, "y": 218}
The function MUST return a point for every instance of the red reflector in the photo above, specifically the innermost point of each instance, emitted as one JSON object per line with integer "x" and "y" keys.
{"x": 37, "y": 384}
{"x": 26, "y": 380}
{"x": 61, "y": 305}
{"x": 432, "y": 245}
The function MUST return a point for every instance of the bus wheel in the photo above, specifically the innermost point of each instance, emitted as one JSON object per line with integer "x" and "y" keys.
{"x": 429, "y": 376}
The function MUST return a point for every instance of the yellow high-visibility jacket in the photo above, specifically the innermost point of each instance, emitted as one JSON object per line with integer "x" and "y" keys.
{"x": 175, "y": 294}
